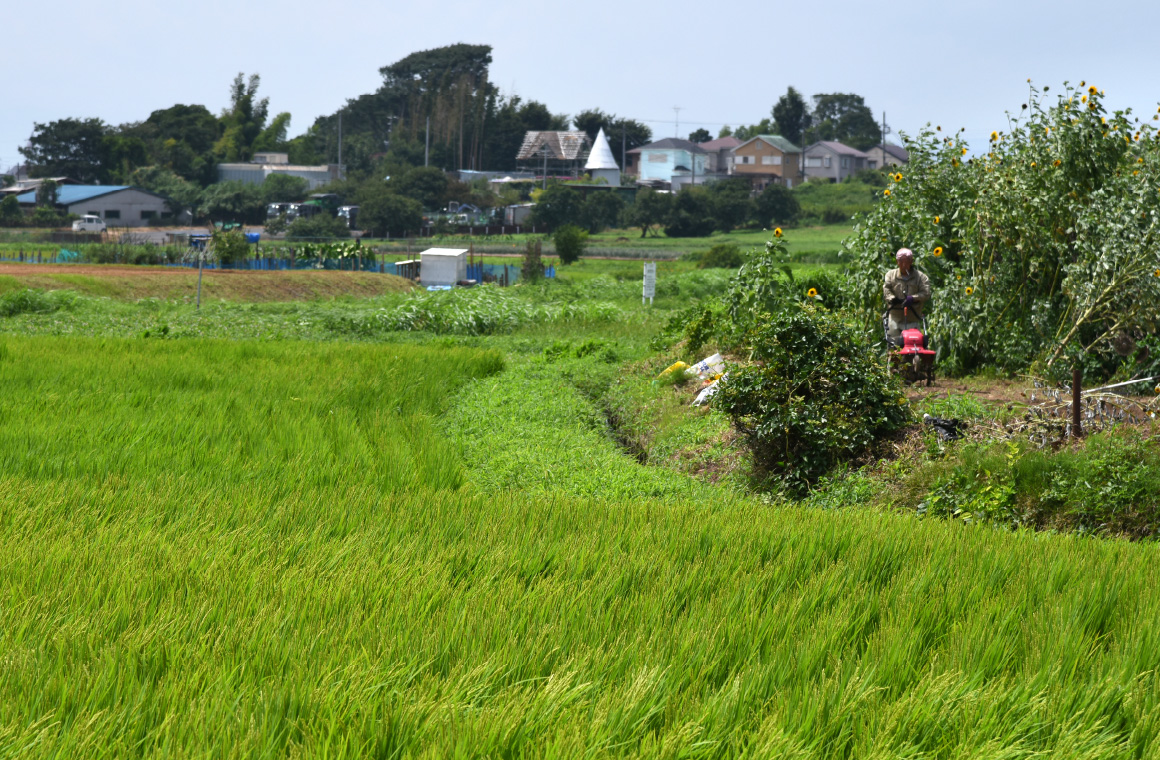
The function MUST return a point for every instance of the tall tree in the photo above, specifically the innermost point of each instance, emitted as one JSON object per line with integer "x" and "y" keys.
{"x": 791, "y": 116}
{"x": 700, "y": 136}
{"x": 67, "y": 148}
{"x": 844, "y": 117}
{"x": 244, "y": 127}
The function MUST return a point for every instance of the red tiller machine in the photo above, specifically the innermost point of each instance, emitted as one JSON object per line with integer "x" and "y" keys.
{"x": 911, "y": 355}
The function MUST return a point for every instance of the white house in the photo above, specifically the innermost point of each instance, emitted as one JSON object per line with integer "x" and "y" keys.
{"x": 265, "y": 164}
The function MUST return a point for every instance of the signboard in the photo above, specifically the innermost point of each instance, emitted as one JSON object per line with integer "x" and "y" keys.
{"x": 650, "y": 282}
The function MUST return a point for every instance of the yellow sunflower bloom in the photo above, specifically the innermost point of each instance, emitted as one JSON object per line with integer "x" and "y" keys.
{"x": 812, "y": 292}
{"x": 898, "y": 177}
{"x": 777, "y": 231}
{"x": 886, "y": 192}
{"x": 937, "y": 250}
{"x": 964, "y": 151}
{"x": 968, "y": 290}
{"x": 1092, "y": 90}
{"x": 1103, "y": 120}
{"x": 936, "y": 220}
{"x": 994, "y": 136}
{"x": 1032, "y": 164}
{"x": 1139, "y": 160}
{"x": 1082, "y": 83}
{"x": 1156, "y": 273}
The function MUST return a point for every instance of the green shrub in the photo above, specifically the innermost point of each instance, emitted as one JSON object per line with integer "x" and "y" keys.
{"x": 230, "y": 247}
{"x": 722, "y": 256}
{"x": 29, "y": 301}
{"x": 321, "y": 226}
{"x": 816, "y": 394}
{"x": 570, "y": 241}
{"x": 691, "y": 214}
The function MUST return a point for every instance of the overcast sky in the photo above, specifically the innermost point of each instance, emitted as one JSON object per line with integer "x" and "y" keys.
{"x": 958, "y": 65}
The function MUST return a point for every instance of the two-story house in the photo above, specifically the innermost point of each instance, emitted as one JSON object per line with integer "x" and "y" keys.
{"x": 881, "y": 156}
{"x": 768, "y": 159}
{"x": 671, "y": 157}
{"x": 834, "y": 161}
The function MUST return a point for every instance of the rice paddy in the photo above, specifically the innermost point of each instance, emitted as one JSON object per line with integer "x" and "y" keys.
{"x": 330, "y": 543}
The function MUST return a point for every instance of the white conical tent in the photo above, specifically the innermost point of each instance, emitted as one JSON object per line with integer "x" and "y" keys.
{"x": 601, "y": 155}
{"x": 600, "y": 161}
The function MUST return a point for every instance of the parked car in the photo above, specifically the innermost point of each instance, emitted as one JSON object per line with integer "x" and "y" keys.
{"x": 89, "y": 223}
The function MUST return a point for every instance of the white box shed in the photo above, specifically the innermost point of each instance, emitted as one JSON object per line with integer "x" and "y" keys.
{"x": 442, "y": 266}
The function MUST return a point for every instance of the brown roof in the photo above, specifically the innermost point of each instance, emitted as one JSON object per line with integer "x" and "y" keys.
{"x": 721, "y": 143}
{"x": 562, "y": 146}
{"x": 839, "y": 148}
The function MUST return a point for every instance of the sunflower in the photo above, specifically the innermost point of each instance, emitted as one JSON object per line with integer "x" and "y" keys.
{"x": 1047, "y": 130}
{"x": 812, "y": 293}
{"x": 937, "y": 250}
{"x": 1092, "y": 90}
{"x": 1082, "y": 83}
{"x": 1032, "y": 164}
{"x": 898, "y": 177}
{"x": 954, "y": 162}
{"x": 886, "y": 192}
{"x": 1083, "y": 99}
{"x": 1156, "y": 273}
{"x": 1103, "y": 120}
{"x": 968, "y": 290}
{"x": 994, "y": 136}
{"x": 777, "y": 231}
{"x": 964, "y": 151}
{"x": 936, "y": 220}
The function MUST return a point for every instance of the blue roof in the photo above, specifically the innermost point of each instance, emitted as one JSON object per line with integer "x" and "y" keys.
{"x": 66, "y": 195}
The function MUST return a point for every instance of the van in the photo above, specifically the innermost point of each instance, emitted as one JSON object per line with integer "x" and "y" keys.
{"x": 89, "y": 223}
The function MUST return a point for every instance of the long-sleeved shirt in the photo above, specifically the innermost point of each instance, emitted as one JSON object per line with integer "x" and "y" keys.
{"x": 915, "y": 284}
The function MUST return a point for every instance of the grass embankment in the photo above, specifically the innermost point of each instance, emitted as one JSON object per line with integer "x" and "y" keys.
{"x": 132, "y": 282}
{"x": 262, "y": 549}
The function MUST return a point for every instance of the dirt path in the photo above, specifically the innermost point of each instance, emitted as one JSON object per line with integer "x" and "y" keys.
{"x": 135, "y": 282}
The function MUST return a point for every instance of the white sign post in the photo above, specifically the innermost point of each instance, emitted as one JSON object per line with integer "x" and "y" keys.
{"x": 650, "y": 282}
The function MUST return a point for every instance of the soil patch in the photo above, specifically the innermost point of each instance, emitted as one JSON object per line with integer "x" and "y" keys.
{"x": 130, "y": 283}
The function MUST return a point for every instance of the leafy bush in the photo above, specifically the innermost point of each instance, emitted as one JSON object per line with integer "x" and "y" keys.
{"x": 389, "y": 214}
{"x": 721, "y": 256}
{"x": 483, "y": 310}
{"x": 1111, "y": 485}
{"x": 777, "y": 204}
{"x": 570, "y": 241}
{"x": 1041, "y": 250}
{"x": 10, "y": 213}
{"x": 29, "y": 301}
{"x": 691, "y": 214}
{"x": 321, "y": 226}
{"x": 230, "y": 247}
{"x": 817, "y": 394}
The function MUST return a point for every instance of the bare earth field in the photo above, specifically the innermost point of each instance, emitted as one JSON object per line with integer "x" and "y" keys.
{"x": 135, "y": 282}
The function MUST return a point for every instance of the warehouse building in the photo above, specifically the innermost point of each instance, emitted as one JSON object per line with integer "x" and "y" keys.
{"x": 265, "y": 164}
{"x": 118, "y": 205}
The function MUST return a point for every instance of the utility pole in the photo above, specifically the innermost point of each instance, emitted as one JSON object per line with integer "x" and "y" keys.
{"x": 427, "y": 143}
{"x": 623, "y": 152}
{"x": 544, "y": 150}
{"x": 677, "y": 121}
{"x": 340, "y": 143}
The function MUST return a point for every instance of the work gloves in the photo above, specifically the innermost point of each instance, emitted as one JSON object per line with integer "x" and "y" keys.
{"x": 909, "y": 301}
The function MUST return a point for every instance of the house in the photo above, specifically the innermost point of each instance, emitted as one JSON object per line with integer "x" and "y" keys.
{"x": 559, "y": 153}
{"x": 601, "y": 165}
{"x": 22, "y": 186}
{"x": 886, "y": 155}
{"x": 265, "y": 164}
{"x": 118, "y": 205}
{"x": 671, "y": 160}
{"x": 720, "y": 154}
{"x": 767, "y": 160}
{"x": 829, "y": 159}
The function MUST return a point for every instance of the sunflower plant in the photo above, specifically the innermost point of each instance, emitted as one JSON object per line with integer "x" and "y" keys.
{"x": 1042, "y": 250}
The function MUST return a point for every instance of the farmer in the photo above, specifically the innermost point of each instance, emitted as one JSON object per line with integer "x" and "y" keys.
{"x": 905, "y": 290}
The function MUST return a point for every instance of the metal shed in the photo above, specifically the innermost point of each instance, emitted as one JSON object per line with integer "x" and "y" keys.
{"x": 442, "y": 266}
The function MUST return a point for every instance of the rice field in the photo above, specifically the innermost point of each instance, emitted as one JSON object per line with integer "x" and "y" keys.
{"x": 284, "y": 549}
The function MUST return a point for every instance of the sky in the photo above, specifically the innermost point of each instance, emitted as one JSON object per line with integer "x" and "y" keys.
{"x": 954, "y": 65}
